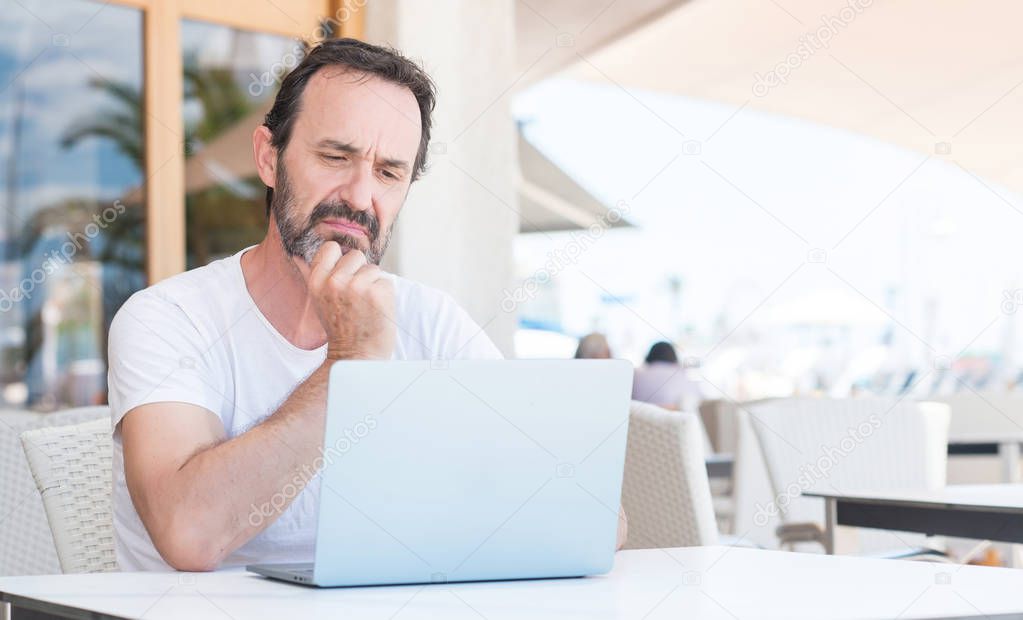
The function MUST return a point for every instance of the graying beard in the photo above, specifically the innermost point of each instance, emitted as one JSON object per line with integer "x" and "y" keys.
{"x": 308, "y": 244}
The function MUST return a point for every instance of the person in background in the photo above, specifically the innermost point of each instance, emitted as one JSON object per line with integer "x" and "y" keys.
{"x": 593, "y": 346}
{"x": 662, "y": 381}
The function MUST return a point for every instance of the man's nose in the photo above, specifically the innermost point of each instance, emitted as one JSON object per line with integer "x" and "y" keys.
{"x": 357, "y": 191}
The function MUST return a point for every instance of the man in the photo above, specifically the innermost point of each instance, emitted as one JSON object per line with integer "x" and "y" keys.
{"x": 218, "y": 376}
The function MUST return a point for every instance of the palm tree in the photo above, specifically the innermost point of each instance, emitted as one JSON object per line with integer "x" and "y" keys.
{"x": 121, "y": 124}
{"x": 223, "y": 103}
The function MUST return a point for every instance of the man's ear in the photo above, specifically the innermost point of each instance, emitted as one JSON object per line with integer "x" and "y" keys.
{"x": 265, "y": 155}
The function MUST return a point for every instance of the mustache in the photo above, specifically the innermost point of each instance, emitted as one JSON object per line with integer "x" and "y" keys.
{"x": 342, "y": 210}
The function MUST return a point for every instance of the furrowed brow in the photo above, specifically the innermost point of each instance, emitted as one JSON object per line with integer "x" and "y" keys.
{"x": 397, "y": 164}
{"x": 337, "y": 145}
{"x": 351, "y": 149}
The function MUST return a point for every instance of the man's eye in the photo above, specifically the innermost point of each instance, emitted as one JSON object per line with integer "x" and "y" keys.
{"x": 335, "y": 157}
{"x": 389, "y": 175}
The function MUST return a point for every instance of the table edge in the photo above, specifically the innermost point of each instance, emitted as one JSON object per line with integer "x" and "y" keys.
{"x": 916, "y": 503}
{"x": 60, "y": 609}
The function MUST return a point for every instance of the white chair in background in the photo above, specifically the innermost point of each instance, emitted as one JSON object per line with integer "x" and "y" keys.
{"x": 72, "y": 470}
{"x": 665, "y": 493}
{"x": 719, "y": 424}
{"x": 721, "y": 419}
{"x": 26, "y": 544}
{"x": 751, "y": 486}
{"x": 848, "y": 445}
{"x": 724, "y": 421}
{"x": 988, "y": 418}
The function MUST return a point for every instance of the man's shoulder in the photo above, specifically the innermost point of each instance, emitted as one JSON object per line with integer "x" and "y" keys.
{"x": 421, "y": 296}
{"x": 187, "y": 295}
{"x": 437, "y": 326}
{"x": 424, "y": 304}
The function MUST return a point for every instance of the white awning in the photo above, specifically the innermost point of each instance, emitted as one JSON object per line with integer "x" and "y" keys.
{"x": 550, "y": 200}
{"x": 939, "y": 77}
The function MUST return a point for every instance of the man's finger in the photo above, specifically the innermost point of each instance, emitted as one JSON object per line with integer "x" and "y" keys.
{"x": 351, "y": 262}
{"x": 369, "y": 273}
{"x": 323, "y": 262}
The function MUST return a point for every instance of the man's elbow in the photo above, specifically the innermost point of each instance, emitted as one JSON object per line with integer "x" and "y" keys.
{"x": 184, "y": 541}
{"x": 187, "y": 550}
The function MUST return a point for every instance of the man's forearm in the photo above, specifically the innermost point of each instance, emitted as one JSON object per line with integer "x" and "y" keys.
{"x": 227, "y": 493}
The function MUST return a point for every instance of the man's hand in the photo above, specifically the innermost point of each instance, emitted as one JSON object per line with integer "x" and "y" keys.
{"x": 355, "y": 303}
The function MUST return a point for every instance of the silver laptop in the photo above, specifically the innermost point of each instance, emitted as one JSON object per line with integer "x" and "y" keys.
{"x": 468, "y": 471}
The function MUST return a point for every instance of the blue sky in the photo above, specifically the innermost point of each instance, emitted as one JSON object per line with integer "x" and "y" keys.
{"x": 100, "y": 44}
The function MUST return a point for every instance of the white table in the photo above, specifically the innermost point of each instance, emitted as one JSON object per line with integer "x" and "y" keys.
{"x": 980, "y": 511}
{"x": 696, "y": 582}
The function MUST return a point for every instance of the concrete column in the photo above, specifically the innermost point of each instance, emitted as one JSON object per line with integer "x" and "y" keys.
{"x": 457, "y": 228}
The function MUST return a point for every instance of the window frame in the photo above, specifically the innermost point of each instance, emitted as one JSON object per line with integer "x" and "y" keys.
{"x": 164, "y": 157}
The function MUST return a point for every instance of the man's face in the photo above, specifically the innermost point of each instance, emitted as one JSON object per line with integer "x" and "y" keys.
{"x": 346, "y": 170}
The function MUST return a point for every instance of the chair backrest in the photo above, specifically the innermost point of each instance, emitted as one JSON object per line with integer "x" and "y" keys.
{"x": 721, "y": 419}
{"x": 686, "y": 404}
{"x": 665, "y": 493}
{"x": 751, "y": 486}
{"x": 984, "y": 416}
{"x": 711, "y": 415}
{"x": 71, "y": 467}
{"x": 849, "y": 445}
{"x": 26, "y": 544}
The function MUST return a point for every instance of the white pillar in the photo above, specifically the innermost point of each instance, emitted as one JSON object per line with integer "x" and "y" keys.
{"x": 457, "y": 228}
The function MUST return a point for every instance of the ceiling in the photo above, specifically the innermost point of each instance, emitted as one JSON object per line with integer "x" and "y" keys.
{"x": 550, "y": 200}
{"x": 940, "y": 77}
{"x": 551, "y": 35}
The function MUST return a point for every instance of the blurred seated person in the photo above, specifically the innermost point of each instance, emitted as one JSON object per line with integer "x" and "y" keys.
{"x": 593, "y": 347}
{"x": 662, "y": 381}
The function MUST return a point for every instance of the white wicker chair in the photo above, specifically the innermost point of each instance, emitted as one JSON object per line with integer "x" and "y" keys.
{"x": 665, "y": 492}
{"x": 870, "y": 443}
{"x": 71, "y": 467}
{"x": 26, "y": 544}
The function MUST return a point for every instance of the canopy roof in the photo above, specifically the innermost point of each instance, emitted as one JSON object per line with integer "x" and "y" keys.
{"x": 943, "y": 78}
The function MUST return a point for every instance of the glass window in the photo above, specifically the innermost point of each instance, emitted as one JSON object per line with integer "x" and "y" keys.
{"x": 71, "y": 223}
{"x": 231, "y": 77}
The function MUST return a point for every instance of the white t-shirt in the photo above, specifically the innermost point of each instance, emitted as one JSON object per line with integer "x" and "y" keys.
{"x": 199, "y": 338}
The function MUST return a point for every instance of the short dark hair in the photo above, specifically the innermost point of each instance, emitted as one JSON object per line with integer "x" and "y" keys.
{"x": 372, "y": 60}
{"x": 662, "y": 352}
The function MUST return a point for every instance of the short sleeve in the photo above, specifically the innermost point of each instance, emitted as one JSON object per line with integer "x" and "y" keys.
{"x": 465, "y": 339}
{"x": 157, "y": 355}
